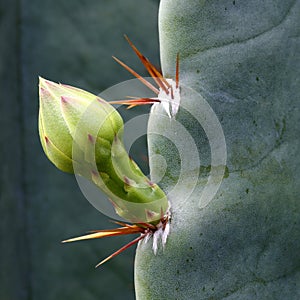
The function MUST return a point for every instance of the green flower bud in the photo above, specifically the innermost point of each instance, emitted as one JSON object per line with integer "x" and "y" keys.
{"x": 61, "y": 107}
{"x": 82, "y": 133}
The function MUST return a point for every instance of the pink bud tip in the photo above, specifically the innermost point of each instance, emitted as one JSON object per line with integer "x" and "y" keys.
{"x": 91, "y": 138}
{"x": 50, "y": 83}
{"x": 68, "y": 86}
{"x": 116, "y": 207}
{"x": 126, "y": 180}
{"x": 64, "y": 99}
{"x": 150, "y": 183}
{"x": 150, "y": 214}
{"x": 43, "y": 91}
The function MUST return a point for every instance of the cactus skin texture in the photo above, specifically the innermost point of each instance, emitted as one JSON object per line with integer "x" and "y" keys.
{"x": 62, "y": 108}
{"x": 243, "y": 58}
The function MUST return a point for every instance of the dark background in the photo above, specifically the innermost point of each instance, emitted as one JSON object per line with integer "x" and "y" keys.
{"x": 69, "y": 42}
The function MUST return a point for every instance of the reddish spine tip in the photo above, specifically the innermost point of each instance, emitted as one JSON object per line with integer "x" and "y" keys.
{"x": 177, "y": 71}
{"x": 172, "y": 93}
{"x": 46, "y": 140}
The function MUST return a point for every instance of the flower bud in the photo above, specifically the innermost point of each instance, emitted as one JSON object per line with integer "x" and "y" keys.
{"x": 82, "y": 133}
{"x": 61, "y": 107}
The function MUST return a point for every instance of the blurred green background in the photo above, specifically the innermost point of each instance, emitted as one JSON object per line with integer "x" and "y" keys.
{"x": 69, "y": 42}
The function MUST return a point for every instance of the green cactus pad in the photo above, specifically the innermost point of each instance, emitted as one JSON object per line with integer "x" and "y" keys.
{"x": 243, "y": 58}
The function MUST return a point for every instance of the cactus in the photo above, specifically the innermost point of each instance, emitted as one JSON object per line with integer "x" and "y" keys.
{"x": 82, "y": 133}
{"x": 243, "y": 58}
{"x": 241, "y": 243}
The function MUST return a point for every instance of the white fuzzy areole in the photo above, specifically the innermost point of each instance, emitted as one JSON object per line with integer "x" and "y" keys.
{"x": 170, "y": 105}
{"x": 162, "y": 232}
